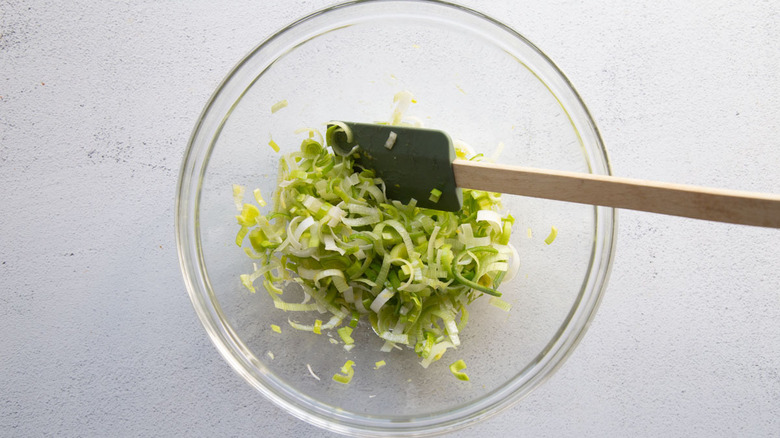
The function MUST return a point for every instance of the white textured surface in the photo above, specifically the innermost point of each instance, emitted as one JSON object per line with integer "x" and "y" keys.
{"x": 97, "y": 100}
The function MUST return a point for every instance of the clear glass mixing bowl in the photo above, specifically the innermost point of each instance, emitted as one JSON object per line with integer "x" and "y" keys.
{"x": 472, "y": 77}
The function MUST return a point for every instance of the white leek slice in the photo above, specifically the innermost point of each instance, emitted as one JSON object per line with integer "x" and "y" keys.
{"x": 294, "y": 307}
{"x": 336, "y": 215}
{"x": 259, "y": 198}
{"x": 501, "y": 304}
{"x": 436, "y": 353}
{"x": 432, "y": 242}
{"x": 381, "y": 299}
{"x": 391, "y": 140}
{"x": 238, "y": 196}
{"x": 491, "y": 217}
{"x": 349, "y": 295}
{"x": 497, "y": 152}
{"x": 311, "y": 372}
{"x": 346, "y": 335}
{"x": 363, "y": 210}
{"x": 402, "y": 100}
{"x": 278, "y": 105}
{"x": 466, "y": 237}
{"x": 401, "y": 338}
{"x": 361, "y": 221}
{"x": 345, "y": 128}
{"x": 312, "y": 134}
{"x": 330, "y": 244}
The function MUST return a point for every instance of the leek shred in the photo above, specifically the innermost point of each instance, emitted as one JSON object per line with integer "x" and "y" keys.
{"x": 346, "y": 373}
{"x": 276, "y": 328}
{"x": 391, "y": 140}
{"x": 345, "y": 334}
{"x": 435, "y": 195}
{"x": 501, "y": 304}
{"x": 317, "y": 327}
{"x": 238, "y": 196}
{"x": 259, "y": 198}
{"x": 278, "y": 105}
{"x": 312, "y": 372}
{"x": 273, "y": 145}
{"x": 456, "y": 370}
{"x": 407, "y": 271}
{"x": 552, "y": 236}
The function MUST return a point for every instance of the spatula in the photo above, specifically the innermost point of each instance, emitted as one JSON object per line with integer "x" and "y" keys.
{"x": 421, "y": 164}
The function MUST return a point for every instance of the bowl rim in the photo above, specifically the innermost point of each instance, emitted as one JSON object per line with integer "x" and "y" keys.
{"x": 227, "y": 342}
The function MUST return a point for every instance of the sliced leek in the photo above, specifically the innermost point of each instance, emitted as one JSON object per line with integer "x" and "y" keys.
{"x": 409, "y": 272}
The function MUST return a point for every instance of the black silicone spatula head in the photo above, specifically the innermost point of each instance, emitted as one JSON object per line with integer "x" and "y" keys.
{"x": 414, "y": 163}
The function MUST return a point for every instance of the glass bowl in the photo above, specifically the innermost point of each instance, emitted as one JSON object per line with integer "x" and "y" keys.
{"x": 472, "y": 77}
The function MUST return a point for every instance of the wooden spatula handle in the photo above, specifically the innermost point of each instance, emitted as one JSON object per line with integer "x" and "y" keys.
{"x": 719, "y": 205}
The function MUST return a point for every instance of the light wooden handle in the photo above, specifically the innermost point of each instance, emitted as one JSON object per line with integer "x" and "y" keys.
{"x": 718, "y": 205}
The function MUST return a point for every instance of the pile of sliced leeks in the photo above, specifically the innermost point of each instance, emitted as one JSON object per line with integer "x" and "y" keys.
{"x": 409, "y": 272}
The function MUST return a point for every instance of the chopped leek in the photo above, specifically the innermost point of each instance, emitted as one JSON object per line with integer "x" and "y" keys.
{"x": 346, "y": 335}
{"x": 346, "y": 373}
{"x": 312, "y": 372}
{"x": 317, "y": 327}
{"x": 552, "y": 236}
{"x": 456, "y": 370}
{"x": 402, "y": 99}
{"x": 407, "y": 271}
{"x": 496, "y": 153}
{"x": 238, "y": 196}
{"x": 435, "y": 195}
{"x": 379, "y": 364}
{"x": 259, "y": 198}
{"x": 501, "y": 304}
{"x": 391, "y": 140}
{"x": 278, "y": 105}
{"x": 276, "y": 328}
{"x": 273, "y": 145}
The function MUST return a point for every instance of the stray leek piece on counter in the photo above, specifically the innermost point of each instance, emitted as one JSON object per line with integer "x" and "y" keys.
{"x": 278, "y": 105}
{"x": 551, "y": 237}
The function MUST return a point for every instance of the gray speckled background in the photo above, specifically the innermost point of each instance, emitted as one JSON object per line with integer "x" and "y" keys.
{"x": 97, "y": 100}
